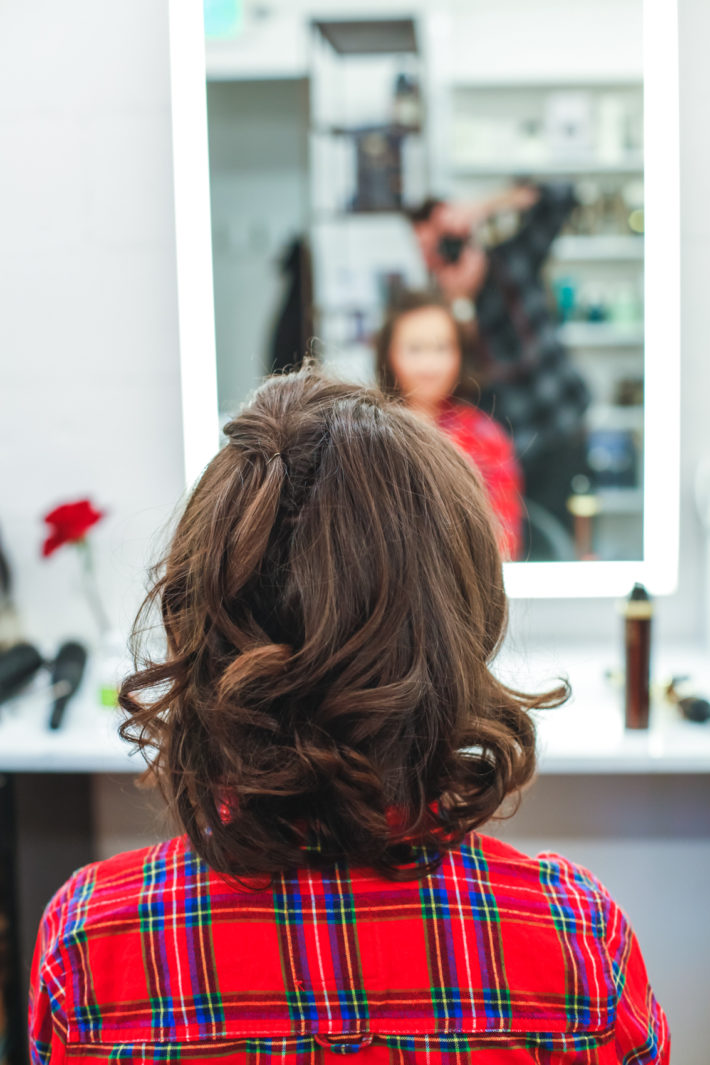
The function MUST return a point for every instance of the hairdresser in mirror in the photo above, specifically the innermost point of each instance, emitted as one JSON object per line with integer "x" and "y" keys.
{"x": 331, "y": 738}
{"x": 498, "y": 293}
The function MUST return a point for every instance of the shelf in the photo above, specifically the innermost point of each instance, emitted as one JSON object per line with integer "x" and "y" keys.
{"x": 323, "y": 215}
{"x": 623, "y": 80}
{"x": 571, "y": 248}
{"x": 574, "y": 248}
{"x": 368, "y": 36}
{"x": 570, "y": 168}
{"x": 572, "y": 335}
{"x": 600, "y": 335}
{"x": 620, "y": 500}
{"x": 394, "y": 128}
{"x": 612, "y": 416}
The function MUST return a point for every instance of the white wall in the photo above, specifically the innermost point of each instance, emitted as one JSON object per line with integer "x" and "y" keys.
{"x": 258, "y": 185}
{"x": 88, "y": 332}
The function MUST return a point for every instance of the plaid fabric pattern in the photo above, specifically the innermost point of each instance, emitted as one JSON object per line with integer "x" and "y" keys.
{"x": 532, "y": 387}
{"x": 494, "y": 958}
{"x": 492, "y": 451}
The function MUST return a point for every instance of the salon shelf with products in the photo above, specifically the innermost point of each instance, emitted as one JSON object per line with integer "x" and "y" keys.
{"x": 599, "y": 248}
{"x": 586, "y": 736}
{"x": 547, "y": 169}
{"x": 600, "y": 335}
{"x": 547, "y": 128}
{"x": 513, "y": 80}
{"x": 569, "y": 248}
{"x": 589, "y": 134}
{"x": 368, "y": 149}
{"x": 616, "y": 416}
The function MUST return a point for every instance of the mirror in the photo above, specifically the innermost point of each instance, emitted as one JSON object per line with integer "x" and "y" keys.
{"x": 475, "y": 205}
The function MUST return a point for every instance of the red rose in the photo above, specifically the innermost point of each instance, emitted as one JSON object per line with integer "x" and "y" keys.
{"x": 68, "y": 523}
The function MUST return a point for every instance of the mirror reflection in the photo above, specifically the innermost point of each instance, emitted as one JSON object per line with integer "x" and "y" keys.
{"x": 425, "y": 202}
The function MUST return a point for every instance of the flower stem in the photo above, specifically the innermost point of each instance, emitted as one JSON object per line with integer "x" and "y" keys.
{"x": 91, "y": 588}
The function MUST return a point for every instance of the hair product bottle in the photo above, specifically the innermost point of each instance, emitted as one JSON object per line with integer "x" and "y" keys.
{"x": 638, "y": 612}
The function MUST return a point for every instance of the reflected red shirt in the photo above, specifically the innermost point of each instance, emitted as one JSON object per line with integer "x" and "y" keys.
{"x": 486, "y": 443}
{"x": 495, "y": 957}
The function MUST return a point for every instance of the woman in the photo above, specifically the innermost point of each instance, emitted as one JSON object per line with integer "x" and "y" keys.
{"x": 419, "y": 357}
{"x": 328, "y": 733}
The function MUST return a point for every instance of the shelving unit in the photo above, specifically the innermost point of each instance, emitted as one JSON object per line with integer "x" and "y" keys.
{"x": 499, "y": 131}
{"x": 360, "y": 245}
{"x": 600, "y": 335}
{"x": 567, "y": 168}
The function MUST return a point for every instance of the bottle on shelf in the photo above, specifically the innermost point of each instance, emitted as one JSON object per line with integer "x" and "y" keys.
{"x": 638, "y": 614}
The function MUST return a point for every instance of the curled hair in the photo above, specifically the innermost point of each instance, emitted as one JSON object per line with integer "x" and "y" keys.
{"x": 332, "y": 599}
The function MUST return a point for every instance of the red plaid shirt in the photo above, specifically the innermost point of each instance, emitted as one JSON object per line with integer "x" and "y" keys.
{"x": 495, "y": 958}
{"x": 492, "y": 451}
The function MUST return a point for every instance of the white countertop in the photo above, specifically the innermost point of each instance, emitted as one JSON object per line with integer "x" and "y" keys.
{"x": 585, "y": 736}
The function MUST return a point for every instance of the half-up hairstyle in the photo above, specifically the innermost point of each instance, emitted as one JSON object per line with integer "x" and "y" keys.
{"x": 332, "y": 599}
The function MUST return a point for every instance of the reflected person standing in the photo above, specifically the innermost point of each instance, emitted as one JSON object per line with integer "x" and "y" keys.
{"x": 498, "y": 293}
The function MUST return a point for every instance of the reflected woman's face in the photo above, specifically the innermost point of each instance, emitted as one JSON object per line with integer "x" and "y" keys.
{"x": 425, "y": 357}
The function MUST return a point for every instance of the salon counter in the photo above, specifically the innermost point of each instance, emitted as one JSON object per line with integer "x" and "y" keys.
{"x": 634, "y": 807}
{"x": 586, "y": 735}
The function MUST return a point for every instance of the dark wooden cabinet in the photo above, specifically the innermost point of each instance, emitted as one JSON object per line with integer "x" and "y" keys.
{"x": 45, "y": 834}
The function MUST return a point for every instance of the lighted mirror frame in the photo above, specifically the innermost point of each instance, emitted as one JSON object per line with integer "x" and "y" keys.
{"x": 659, "y": 567}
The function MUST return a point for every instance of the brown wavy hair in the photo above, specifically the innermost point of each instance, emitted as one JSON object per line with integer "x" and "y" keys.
{"x": 332, "y": 599}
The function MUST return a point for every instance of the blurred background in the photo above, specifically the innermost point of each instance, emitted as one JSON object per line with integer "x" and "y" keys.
{"x": 330, "y": 138}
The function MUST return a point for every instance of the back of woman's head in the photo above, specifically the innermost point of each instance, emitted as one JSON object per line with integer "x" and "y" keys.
{"x": 332, "y": 598}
